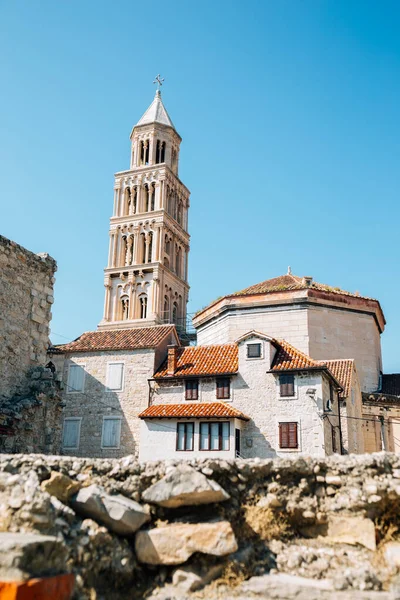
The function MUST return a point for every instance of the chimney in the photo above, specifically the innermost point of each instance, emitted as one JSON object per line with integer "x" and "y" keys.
{"x": 307, "y": 281}
{"x": 172, "y": 358}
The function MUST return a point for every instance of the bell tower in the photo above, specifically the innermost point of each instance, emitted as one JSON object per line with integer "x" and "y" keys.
{"x": 146, "y": 276}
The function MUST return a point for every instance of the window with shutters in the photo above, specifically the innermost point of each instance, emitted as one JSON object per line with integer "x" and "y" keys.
{"x": 111, "y": 434}
{"x": 71, "y": 433}
{"x": 288, "y": 435}
{"x": 253, "y": 350}
{"x": 286, "y": 386}
{"x": 76, "y": 379}
{"x": 115, "y": 377}
{"x": 223, "y": 388}
{"x": 185, "y": 437}
{"x": 214, "y": 436}
{"x": 192, "y": 389}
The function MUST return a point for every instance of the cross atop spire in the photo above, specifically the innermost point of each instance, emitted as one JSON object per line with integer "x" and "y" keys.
{"x": 159, "y": 81}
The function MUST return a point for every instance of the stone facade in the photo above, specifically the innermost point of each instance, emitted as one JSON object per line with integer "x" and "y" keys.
{"x": 381, "y": 423}
{"x": 254, "y": 392}
{"x": 322, "y": 324}
{"x": 26, "y": 296}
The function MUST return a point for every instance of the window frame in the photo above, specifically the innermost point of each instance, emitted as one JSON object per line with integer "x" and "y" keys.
{"x": 260, "y": 345}
{"x": 83, "y": 367}
{"x": 184, "y": 423}
{"x": 79, "y": 421}
{"x": 111, "y": 418}
{"x": 115, "y": 362}
{"x": 218, "y": 387}
{"x": 220, "y": 436}
{"x": 289, "y": 447}
{"x": 280, "y": 386}
{"x": 196, "y": 389}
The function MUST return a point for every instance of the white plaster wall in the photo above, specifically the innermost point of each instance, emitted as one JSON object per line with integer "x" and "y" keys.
{"x": 158, "y": 440}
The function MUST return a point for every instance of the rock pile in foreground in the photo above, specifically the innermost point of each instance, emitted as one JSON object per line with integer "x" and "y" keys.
{"x": 284, "y": 528}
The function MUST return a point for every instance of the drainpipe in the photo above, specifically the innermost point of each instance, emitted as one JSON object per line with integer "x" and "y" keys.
{"x": 382, "y": 420}
{"x": 340, "y": 425}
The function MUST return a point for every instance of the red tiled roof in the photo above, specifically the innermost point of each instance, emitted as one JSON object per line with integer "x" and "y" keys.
{"x": 220, "y": 359}
{"x": 198, "y": 410}
{"x": 342, "y": 370}
{"x": 118, "y": 339}
{"x": 291, "y": 282}
{"x": 288, "y": 357}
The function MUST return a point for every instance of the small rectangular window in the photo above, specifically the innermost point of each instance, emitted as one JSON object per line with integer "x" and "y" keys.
{"x": 223, "y": 388}
{"x": 288, "y": 435}
{"x": 111, "y": 434}
{"x": 71, "y": 432}
{"x": 253, "y": 350}
{"x": 76, "y": 378}
{"x": 286, "y": 385}
{"x": 115, "y": 376}
{"x": 185, "y": 436}
{"x": 214, "y": 436}
{"x": 192, "y": 389}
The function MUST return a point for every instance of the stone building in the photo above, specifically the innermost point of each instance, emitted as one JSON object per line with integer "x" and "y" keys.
{"x": 257, "y": 397}
{"x": 105, "y": 386}
{"x": 322, "y": 321}
{"x": 381, "y": 416}
{"x": 147, "y": 272}
{"x": 30, "y": 410}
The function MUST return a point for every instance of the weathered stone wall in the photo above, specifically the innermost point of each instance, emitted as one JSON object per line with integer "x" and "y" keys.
{"x": 286, "y": 528}
{"x": 26, "y": 296}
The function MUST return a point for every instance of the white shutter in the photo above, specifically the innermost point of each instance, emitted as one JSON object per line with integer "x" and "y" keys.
{"x": 111, "y": 433}
{"x": 115, "y": 376}
{"x": 71, "y": 433}
{"x": 76, "y": 375}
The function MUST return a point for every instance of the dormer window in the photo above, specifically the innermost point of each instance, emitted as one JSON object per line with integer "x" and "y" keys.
{"x": 253, "y": 350}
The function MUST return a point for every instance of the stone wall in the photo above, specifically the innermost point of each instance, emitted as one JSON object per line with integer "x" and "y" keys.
{"x": 322, "y": 528}
{"x": 26, "y": 296}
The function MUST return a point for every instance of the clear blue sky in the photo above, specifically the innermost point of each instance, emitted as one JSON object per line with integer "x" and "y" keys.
{"x": 289, "y": 113}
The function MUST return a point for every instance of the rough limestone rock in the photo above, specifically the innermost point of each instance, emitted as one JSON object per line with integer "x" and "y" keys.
{"x": 60, "y": 486}
{"x": 184, "y": 486}
{"x": 174, "y": 544}
{"x": 349, "y": 529}
{"x": 26, "y": 555}
{"x": 119, "y": 514}
{"x": 190, "y": 578}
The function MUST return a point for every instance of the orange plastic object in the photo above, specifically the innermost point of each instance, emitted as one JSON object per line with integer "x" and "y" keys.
{"x": 59, "y": 587}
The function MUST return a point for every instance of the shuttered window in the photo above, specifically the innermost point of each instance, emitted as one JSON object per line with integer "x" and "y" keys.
{"x": 192, "y": 389}
{"x": 286, "y": 385}
{"x": 76, "y": 378}
{"x": 214, "y": 436}
{"x": 115, "y": 376}
{"x": 288, "y": 435}
{"x": 253, "y": 350}
{"x": 185, "y": 436}
{"x": 111, "y": 434}
{"x": 71, "y": 432}
{"x": 223, "y": 388}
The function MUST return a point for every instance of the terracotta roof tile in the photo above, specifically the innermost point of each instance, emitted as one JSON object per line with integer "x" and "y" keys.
{"x": 291, "y": 282}
{"x": 198, "y": 410}
{"x": 288, "y": 357}
{"x": 342, "y": 370}
{"x": 220, "y": 359}
{"x": 118, "y": 339}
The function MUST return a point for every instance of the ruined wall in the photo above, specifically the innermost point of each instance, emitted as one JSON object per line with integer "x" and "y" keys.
{"x": 26, "y": 296}
{"x": 322, "y": 528}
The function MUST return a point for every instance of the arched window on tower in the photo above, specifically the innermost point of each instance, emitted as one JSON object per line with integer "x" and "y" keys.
{"x": 134, "y": 201}
{"x": 178, "y": 259}
{"x": 179, "y": 217}
{"x": 152, "y": 195}
{"x": 167, "y": 245}
{"x": 142, "y": 249}
{"x": 125, "y": 308}
{"x": 146, "y": 198}
{"x": 127, "y": 202}
{"x": 150, "y": 248}
{"x": 162, "y": 154}
{"x": 166, "y": 309}
{"x": 143, "y": 306}
{"x": 141, "y": 152}
{"x": 146, "y": 152}
{"x": 175, "y": 313}
{"x": 122, "y": 256}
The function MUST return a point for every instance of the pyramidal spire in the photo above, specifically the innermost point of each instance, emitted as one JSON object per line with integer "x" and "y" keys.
{"x": 156, "y": 113}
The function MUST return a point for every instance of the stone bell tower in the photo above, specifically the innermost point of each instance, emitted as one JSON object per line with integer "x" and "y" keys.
{"x": 146, "y": 276}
